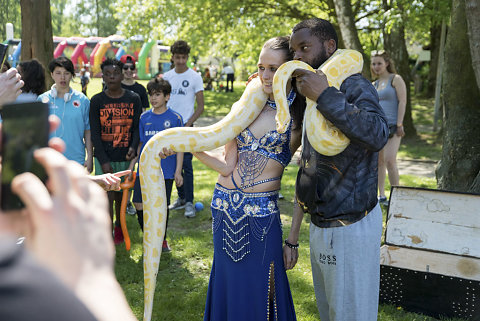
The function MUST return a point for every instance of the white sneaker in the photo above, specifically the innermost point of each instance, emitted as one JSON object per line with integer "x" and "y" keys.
{"x": 189, "y": 210}
{"x": 280, "y": 196}
{"x": 177, "y": 205}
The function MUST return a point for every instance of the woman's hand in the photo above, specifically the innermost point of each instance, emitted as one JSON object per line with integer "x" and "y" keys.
{"x": 400, "y": 131}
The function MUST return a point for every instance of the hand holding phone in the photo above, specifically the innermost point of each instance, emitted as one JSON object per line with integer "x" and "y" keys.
{"x": 10, "y": 86}
{"x": 25, "y": 128}
{"x": 3, "y": 54}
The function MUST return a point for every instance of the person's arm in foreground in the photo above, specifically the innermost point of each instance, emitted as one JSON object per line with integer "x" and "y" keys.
{"x": 70, "y": 233}
{"x": 109, "y": 181}
{"x": 178, "y": 170}
{"x": 290, "y": 255}
{"x": 11, "y": 86}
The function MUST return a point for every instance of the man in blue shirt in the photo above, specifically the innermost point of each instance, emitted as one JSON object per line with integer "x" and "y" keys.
{"x": 339, "y": 192}
{"x": 72, "y": 107}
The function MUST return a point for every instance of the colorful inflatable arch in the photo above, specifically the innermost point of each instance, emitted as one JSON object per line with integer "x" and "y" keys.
{"x": 78, "y": 56}
{"x": 120, "y": 53}
{"x": 60, "y": 48}
{"x": 142, "y": 64}
{"x": 99, "y": 54}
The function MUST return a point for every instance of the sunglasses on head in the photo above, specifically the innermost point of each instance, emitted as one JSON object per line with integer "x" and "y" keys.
{"x": 126, "y": 67}
{"x": 377, "y": 52}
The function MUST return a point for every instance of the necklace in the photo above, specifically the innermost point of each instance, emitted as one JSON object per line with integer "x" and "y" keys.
{"x": 291, "y": 96}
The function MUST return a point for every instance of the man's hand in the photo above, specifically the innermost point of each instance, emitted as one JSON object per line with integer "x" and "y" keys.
{"x": 178, "y": 178}
{"x": 290, "y": 257}
{"x": 89, "y": 165}
{"x": 109, "y": 181}
{"x": 252, "y": 76}
{"x": 69, "y": 221}
{"x": 310, "y": 84}
{"x": 130, "y": 154}
{"x": 10, "y": 84}
{"x": 107, "y": 168}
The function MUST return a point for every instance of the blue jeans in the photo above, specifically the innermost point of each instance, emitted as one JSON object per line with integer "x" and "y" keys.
{"x": 185, "y": 192}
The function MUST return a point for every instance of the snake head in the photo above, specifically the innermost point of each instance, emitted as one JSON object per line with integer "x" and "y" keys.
{"x": 341, "y": 65}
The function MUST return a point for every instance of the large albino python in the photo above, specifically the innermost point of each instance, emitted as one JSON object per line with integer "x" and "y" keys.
{"x": 188, "y": 139}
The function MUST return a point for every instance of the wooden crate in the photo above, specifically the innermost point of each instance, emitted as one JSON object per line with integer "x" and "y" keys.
{"x": 430, "y": 262}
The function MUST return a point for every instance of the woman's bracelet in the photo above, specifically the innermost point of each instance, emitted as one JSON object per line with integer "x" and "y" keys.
{"x": 290, "y": 245}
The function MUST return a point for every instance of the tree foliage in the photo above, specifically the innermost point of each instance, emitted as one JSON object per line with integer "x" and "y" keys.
{"x": 227, "y": 28}
{"x": 96, "y": 17}
{"x": 10, "y": 12}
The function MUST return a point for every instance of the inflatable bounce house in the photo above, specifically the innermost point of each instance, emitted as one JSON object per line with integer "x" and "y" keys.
{"x": 89, "y": 53}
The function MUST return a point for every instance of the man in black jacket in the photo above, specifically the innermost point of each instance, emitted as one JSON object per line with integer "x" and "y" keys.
{"x": 339, "y": 191}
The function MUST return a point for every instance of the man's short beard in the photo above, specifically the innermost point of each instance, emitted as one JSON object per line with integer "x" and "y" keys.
{"x": 320, "y": 59}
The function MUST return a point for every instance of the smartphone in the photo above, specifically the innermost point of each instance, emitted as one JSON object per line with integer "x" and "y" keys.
{"x": 25, "y": 128}
{"x": 3, "y": 54}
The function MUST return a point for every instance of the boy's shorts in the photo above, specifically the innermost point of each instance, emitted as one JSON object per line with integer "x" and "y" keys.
{"x": 116, "y": 166}
{"x": 137, "y": 190}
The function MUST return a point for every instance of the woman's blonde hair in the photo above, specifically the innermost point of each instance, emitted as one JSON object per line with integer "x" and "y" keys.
{"x": 388, "y": 61}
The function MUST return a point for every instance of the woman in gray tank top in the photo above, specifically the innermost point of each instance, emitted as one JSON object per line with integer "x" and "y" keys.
{"x": 392, "y": 94}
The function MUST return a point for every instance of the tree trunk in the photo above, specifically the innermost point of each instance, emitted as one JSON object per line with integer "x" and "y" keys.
{"x": 460, "y": 164}
{"x": 435, "y": 34}
{"x": 473, "y": 23}
{"x": 346, "y": 22}
{"x": 37, "y": 37}
{"x": 395, "y": 46}
{"x": 97, "y": 9}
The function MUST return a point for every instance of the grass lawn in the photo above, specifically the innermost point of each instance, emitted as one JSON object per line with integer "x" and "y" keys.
{"x": 183, "y": 273}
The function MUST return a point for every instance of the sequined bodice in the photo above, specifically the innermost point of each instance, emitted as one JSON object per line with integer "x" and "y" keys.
{"x": 272, "y": 144}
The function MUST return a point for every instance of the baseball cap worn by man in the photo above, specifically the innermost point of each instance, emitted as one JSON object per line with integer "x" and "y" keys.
{"x": 128, "y": 59}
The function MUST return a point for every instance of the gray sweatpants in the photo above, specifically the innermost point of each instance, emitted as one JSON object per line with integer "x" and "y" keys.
{"x": 346, "y": 269}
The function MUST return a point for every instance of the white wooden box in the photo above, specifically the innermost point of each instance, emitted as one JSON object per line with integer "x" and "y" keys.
{"x": 430, "y": 262}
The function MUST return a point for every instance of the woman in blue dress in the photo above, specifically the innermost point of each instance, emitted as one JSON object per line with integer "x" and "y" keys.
{"x": 248, "y": 279}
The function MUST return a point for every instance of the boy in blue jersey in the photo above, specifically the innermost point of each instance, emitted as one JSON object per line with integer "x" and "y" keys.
{"x": 153, "y": 121}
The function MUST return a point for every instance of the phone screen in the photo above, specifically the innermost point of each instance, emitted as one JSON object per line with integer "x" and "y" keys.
{"x": 25, "y": 128}
{"x": 3, "y": 54}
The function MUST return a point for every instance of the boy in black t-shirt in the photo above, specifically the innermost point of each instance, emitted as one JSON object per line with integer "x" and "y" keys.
{"x": 114, "y": 117}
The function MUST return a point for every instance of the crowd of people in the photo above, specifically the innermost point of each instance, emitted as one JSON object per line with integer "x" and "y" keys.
{"x": 248, "y": 281}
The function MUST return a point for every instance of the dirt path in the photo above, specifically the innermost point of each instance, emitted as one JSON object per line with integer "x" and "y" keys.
{"x": 414, "y": 167}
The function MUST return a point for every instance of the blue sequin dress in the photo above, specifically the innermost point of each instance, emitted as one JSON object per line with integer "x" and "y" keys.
{"x": 248, "y": 281}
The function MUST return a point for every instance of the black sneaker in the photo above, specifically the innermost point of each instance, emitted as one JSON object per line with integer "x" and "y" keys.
{"x": 177, "y": 205}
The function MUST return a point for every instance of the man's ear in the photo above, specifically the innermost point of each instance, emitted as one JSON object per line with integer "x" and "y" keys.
{"x": 167, "y": 97}
{"x": 331, "y": 46}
